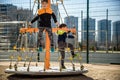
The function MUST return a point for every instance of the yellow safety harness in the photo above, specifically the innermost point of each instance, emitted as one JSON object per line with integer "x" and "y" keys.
{"x": 60, "y": 32}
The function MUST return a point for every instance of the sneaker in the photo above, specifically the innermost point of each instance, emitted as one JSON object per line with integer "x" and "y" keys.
{"x": 75, "y": 55}
{"x": 63, "y": 67}
{"x": 52, "y": 49}
{"x": 40, "y": 49}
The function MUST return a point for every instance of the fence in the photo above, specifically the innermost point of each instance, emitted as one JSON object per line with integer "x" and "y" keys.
{"x": 9, "y": 32}
{"x": 100, "y": 41}
{"x": 104, "y": 21}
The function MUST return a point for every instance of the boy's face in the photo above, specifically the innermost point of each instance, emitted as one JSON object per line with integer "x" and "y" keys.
{"x": 44, "y": 4}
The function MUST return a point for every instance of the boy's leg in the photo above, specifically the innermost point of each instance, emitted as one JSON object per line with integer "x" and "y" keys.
{"x": 49, "y": 30}
{"x": 40, "y": 37}
{"x": 62, "y": 58}
{"x": 62, "y": 52}
{"x": 72, "y": 49}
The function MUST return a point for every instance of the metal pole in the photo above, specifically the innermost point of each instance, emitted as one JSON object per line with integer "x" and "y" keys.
{"x": 112, "y": 43}
{"x": 107, "y": 31}
{"x": 117, "y": 41}
{"x": 38, "y": 58}
{"x": 26, "y": 38}
{"x": 81, "y": 29}
{"x": 87, "y": 56}
{"x": 30, "y": 9}
{"x": 30, "y": 5}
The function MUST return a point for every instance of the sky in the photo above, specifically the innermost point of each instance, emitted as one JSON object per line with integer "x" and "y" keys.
{"x": 74, "y": 8}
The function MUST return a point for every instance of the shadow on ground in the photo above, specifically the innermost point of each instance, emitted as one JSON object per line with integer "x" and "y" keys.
{"x": 65, "y": 77}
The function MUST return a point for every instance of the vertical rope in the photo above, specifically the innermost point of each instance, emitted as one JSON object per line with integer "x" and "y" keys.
{"x": 58, "y": 10}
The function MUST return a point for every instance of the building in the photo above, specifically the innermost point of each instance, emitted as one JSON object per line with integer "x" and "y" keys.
{"x": 91, "y": 31}
{"x": 116, "y": 35}
{"x": 71, "y": 22}
{"x": 8, "y": 12}
{"x": 55, "y": 9}
{"x": 24, "y": 14}
{"x": 9, "y": 30}
{"x": 102, "y": 32}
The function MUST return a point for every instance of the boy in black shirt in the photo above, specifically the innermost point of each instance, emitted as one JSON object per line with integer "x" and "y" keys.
{"x": 62, "y": 44}
{"x": 44, "y": 15}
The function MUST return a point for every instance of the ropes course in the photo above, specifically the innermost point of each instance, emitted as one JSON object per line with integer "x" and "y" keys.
{"x": 26, "y": 53}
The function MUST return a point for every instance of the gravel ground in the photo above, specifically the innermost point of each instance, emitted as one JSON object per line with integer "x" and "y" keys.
{"x": 96, "y": 72}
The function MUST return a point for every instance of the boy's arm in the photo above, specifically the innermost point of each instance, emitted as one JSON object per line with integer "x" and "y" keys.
{"x": 65, "y": 34}
{"x": 34, "y": 19}
{"x": 54, "y": 18}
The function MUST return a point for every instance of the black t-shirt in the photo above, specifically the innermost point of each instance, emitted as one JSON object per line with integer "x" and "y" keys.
{"x": 62, "y": 37}
{"x": 44, "y": 17}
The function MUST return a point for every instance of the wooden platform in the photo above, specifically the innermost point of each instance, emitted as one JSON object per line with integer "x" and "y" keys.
{"x": 39, "y": 71}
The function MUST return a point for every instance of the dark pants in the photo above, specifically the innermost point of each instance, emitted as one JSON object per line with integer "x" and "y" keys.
{"x": 49, "y": 30}
{"x": 62, "y": 45}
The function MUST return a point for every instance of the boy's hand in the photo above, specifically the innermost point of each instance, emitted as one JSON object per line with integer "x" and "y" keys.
{"x": 57, "y": 24}
{"x": 30, "y": 23}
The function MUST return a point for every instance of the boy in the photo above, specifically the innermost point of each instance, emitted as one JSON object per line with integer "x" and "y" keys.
{"x": 62, "y": 35}
{"x": 44, "y": 15}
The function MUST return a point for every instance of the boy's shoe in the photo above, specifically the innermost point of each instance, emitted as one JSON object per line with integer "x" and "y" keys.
{"x": 63, "y": 67}
{"x": 75, "y": 55}
{"x": 52, "y": 49}
{"x": 40, "y": 49}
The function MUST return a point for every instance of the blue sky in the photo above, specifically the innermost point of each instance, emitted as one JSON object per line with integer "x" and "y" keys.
{"x": 74, "y": 7}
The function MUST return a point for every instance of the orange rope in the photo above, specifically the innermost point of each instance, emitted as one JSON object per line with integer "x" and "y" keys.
{"x": 54, "y": 30}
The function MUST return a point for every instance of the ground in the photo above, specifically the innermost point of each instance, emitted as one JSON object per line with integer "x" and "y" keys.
{"x": 96, "y": 72}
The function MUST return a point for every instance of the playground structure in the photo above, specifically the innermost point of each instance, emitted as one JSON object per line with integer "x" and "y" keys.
{"x": 42, "y": 69}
